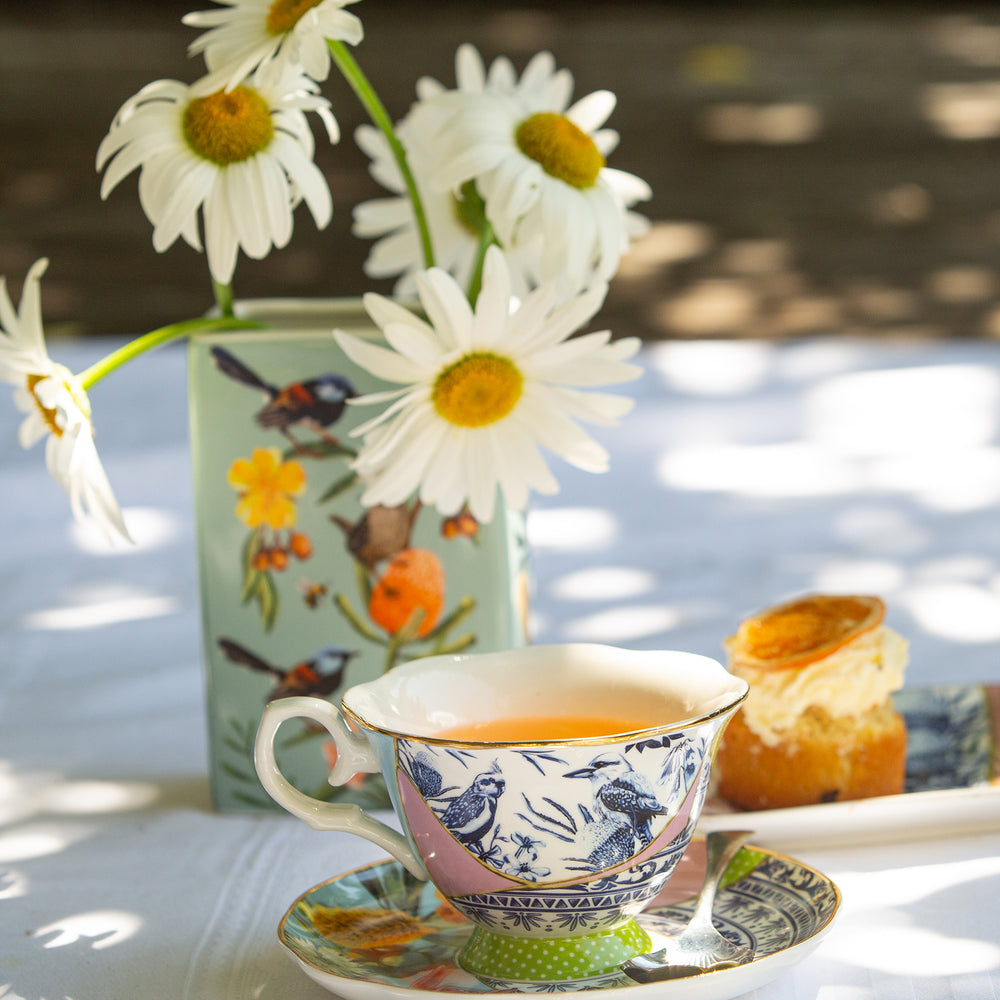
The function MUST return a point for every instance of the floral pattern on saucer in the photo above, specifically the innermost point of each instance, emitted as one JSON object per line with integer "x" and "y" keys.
{"x": 379, "y": 927}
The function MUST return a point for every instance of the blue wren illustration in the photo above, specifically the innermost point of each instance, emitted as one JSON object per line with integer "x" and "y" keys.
{"x": 471, "y": 815}
{"x": 319, "y": 676}
{"x": 619, "y": 789}
{"x": 317, "y": 402}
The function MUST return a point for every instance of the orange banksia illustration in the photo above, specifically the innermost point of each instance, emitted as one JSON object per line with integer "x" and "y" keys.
{"x": 412, "y": 582}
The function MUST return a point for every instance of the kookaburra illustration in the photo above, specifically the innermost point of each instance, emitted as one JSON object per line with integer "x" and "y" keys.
{"x": 620, "y": 790}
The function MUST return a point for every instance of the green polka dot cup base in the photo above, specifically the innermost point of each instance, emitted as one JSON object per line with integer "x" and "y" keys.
{"x": 547, "y": 792}
{"x": 504, "y": 961}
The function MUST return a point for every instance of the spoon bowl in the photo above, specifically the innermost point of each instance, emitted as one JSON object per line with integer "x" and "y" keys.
{"x": 699, "y": 947}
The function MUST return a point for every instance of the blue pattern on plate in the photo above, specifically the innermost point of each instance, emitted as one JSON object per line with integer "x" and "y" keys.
{"x": 950, "y": 739}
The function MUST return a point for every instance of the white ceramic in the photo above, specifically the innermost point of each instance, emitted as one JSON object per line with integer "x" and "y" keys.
{"x": 546, "y": 846}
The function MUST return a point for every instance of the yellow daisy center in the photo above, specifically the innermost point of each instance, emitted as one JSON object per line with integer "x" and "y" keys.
{"x": 48, "y": 413}
{"x": 563, "y": 149}
{"x": 283, "y": 15}
{"x": 477, "y": 390}
{"x": 227, "y": 127}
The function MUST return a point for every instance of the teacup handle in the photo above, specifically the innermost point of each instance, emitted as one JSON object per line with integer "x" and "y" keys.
{"x": 354, "y": 756}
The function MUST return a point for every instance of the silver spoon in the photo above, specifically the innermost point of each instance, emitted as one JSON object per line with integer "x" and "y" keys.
{"x": 699, "y": 947}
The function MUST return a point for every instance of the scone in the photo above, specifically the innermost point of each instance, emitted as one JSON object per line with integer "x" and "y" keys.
{"x": 818, "y": 724}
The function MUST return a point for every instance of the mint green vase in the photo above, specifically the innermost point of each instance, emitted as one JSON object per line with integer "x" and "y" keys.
{"x": 303, "y": 591}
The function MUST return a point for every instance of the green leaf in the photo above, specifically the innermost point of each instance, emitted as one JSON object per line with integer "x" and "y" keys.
{"x": 252, "y": 800}
{"x": 355, "y": 621}
{"x": 251, "y": 583}
{"x": 364, "y": 579}
{"x": 410, "y": 627}
{"x": 371, "y": 795}
{"x": 338, "y": 488}
{"x": 270, "y": 602}
{"x": 319, "y": 448}
{"x": 463, "y": 642}
{"x": 243, "y": 729}
{"x": 250, "y": 574}
{"x": 305, "y": 735}
{"x": 462, "y": 610}
{"x": 235, "y": 772}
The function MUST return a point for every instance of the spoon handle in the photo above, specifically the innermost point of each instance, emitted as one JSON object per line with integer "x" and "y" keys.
{"x": 720, "y": 848}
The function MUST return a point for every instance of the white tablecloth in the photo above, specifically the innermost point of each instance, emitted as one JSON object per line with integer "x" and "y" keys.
{"x": 748, "y": 471}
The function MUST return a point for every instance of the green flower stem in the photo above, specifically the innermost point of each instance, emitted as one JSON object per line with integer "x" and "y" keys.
{"x": 164, "y": 335}
{"x": 371, "y": 102}
{"x": 391, "y": 653}
{"x": 223, "y": 298}
{"x": 472, "y": 212}
{"x": 486, "y": 239}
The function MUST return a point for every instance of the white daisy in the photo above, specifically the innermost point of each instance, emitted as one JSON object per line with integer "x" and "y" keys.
{"x": 57, "y": 407}
{"x": 245, "y": 34}
{"x": 243, "y": 157}
{"x": 454, "y": 222}
{"x": 540, "y": 77}
{"x": 540, "y": 166}
{"x": 482, "y": 389}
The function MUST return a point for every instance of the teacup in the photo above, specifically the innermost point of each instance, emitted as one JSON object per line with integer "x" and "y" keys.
{"x": 548, "y": 791}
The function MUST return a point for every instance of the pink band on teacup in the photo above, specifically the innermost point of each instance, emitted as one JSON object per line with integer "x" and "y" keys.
{"x": 451, "y": 867}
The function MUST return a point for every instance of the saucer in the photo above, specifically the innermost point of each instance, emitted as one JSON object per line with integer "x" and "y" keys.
{"x": 378, "y": 931}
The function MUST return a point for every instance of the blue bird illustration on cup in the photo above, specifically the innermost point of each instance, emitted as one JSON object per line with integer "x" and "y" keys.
{"x": 471, "y": 816}
{"x": 621, "y": 791}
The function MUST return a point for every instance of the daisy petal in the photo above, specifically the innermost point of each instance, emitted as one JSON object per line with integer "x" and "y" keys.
{"x": 482, "y": 484}
{"x": 592, "y": 111}
{"x": 601, "y": 408}
{"x": 384, "y": 311}
{"x": 380, "y": 361}
{"x": 448, "y": 310}
{"x": 469, "y": 70}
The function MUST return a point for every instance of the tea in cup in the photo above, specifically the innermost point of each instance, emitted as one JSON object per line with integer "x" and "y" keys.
{"x": 548, "y": 791}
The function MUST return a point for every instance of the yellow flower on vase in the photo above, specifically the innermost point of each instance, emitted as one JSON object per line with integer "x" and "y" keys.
{"x": 267, "y": 487}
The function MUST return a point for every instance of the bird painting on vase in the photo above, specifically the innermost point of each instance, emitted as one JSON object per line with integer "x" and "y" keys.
{"x": 319, "y": 676}
{"x": 316, "y": 402}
